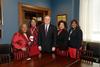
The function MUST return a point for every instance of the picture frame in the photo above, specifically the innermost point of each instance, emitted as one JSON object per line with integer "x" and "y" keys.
{"x": 62, "y": 17}
{"x": 0, "y": 33}
{"x": 1, "y": 18}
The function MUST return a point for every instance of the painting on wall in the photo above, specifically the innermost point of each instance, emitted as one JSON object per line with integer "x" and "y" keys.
{"x": 1, "y": 23}
{"x": 61, "y": 17}
{"x": 0, "y": 33}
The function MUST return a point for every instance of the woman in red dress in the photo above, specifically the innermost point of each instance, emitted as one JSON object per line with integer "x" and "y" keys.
{"x": 33, "y": 38}
{"x": 20, "y": 43}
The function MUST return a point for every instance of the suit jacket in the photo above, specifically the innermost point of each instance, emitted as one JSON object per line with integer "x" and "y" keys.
{"x": 75, "y": 38}
{"x": 49, "y": 40}
{"x": 19, "y": 41}
{"x": 62, "y": 40}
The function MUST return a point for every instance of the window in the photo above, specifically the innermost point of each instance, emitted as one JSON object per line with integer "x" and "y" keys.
{"x": 90, "y": 20}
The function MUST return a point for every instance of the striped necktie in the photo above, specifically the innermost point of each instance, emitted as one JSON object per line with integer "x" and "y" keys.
{"x": 46, "y": 30}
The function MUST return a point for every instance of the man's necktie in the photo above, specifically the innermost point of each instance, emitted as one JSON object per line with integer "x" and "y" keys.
{"x": 46, "y": 30}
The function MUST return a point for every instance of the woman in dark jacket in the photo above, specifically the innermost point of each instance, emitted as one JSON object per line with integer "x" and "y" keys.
{"x": 75, "y": 38}
{"x": 62, "y": 38}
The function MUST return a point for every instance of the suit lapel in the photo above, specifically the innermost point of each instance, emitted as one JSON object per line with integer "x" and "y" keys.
{"x": 44, "y": 29}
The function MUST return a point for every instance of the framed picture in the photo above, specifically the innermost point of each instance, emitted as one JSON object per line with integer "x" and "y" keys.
{"x": 0, "y": 33}
{"x": 62, "y": 17}
{"x": 1, "y": 21}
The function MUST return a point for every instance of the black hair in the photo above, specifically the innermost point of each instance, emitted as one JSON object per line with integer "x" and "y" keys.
{"x": 74, "y": 20}
{"x": 65, "y": 26}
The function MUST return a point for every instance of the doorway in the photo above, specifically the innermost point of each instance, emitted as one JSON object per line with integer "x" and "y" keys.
{"x": 28, "y": 12}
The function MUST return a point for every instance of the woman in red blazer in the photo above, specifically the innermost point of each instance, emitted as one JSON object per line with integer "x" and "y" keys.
{"x": 33, "y": 38}
{"x": 20, "y": 43}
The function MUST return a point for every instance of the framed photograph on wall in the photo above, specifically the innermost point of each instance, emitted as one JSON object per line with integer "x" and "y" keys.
{"x": 62, "y": 17}
{"x": 1, "y": 21}
{"x": 0, "y": 33}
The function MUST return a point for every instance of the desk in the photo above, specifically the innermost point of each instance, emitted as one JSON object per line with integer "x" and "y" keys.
{"x": 45, "y": 61}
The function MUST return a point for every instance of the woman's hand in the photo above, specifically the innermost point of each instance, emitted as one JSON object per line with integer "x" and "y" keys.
{"x": 23, "y": 49}
{"x": 31, "y": 38}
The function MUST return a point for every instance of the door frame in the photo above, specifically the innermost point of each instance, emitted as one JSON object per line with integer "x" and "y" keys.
{"x": 21, "y": 8}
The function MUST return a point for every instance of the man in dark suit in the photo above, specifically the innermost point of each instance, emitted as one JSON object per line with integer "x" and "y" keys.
{"x": 47, "y": 36}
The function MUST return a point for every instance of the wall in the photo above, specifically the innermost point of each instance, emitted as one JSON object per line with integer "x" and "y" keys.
{"x": 10, "y": 16}
{"x": 76, "y": 9}
{"x": 68, "y": 7}
{"x": 10, "y": 13}
{"x": 42, "y": 3}
{"x": 10, "y": 19}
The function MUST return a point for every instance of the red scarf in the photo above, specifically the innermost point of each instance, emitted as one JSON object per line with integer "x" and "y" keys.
{"x": 60, "y": 30}
{"x": 34, "y": 32}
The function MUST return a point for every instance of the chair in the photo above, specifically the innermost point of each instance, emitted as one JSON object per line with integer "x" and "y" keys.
{"x": 87, "y": 54}
{"x": 18, "y": 54}
{"x": 5, "y": 53}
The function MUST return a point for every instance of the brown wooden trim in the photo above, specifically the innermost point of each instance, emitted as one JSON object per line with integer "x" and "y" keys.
{"x": 20, "y": 13}
{"x": 28, "y": 7}
{"x": 66, "y": 18}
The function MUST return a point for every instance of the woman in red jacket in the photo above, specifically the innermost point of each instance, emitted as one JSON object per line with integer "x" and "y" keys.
{"x": 20, "y": 43}
{"x": 33, "y": 38}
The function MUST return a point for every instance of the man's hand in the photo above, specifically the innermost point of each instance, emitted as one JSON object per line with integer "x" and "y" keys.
{"x": 40, "y": 48}
{"x": 53, "y": 48}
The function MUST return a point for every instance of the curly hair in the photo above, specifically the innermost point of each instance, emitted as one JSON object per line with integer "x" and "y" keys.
{"x": 63, "y": 23}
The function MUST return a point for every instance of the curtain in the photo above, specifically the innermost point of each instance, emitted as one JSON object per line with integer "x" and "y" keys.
{"x": 90, "y": 20}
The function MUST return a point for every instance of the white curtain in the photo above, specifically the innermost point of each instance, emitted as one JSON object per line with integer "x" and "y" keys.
{"x": 90, "y": 20}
